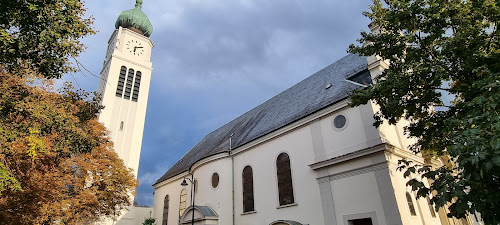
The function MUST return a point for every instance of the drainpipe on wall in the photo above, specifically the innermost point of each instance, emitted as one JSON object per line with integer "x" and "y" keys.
{"x": 232, "y": 172}
{"x": 193, "y": 196}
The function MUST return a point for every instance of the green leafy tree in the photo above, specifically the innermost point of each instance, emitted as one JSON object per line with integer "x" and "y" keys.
{"x": 42, "y": 35}
{"x": 436, "y": 48}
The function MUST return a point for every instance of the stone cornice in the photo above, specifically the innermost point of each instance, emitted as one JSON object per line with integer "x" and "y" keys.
{"x": 349, "y": 156}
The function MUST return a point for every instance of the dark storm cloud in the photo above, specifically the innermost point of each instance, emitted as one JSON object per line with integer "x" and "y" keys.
{"x": 211, "y": 41}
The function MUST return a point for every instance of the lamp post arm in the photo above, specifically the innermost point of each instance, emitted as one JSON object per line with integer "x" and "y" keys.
{"x": 187, "y": 178}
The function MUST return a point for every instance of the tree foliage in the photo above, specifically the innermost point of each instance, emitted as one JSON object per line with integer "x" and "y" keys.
{"x": 57, "y": 163}
{"x": 42, "y": 35}
{"x": 435, "y": 48}
{"x": 149, "y": 221}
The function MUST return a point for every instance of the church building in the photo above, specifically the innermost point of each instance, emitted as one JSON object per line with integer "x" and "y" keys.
{"x": 302, "y": 157}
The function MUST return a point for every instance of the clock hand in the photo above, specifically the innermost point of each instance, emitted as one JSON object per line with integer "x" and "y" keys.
{"x": 135, "y": 48}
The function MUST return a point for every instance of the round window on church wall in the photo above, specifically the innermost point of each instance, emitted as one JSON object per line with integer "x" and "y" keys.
{"x": 339, "y": 122}
{"x": 215, "y": 180}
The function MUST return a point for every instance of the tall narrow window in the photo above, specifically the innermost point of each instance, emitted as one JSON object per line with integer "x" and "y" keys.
{"x": 284, "y": 173}
{"x": 248, "y": 204}
{"x": 137, "y": 84}
{"x": 128, "y": 87}
{"x": 121, "y": 125}
{"x": 182, "y": 204}
{"x": 431, "y": 207}
{"x": 410, "y": 204}
{"x": 121, "y": 81}
{"x": 165, "y": 210}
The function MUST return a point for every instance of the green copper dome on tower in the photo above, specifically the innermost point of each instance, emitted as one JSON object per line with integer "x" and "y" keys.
{"x": 135, "y": 19}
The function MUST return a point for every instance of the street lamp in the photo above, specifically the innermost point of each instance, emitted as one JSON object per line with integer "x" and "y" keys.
{"x": 193, "y": 186}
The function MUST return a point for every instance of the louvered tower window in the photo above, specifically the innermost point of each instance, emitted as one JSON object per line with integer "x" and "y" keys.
{"x": 137, "y": 84}
{"x": 121, "y": 81}
{"x": 248, "y": 204}
{"x": 284, "y": 174}
{"x": 165, "y": 210}
{"x": 128, "y": 87}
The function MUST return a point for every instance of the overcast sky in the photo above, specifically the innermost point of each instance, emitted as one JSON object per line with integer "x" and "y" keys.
{"x": 214, "y": 60}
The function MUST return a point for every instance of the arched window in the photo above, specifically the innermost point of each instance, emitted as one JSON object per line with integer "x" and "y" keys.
{"x": 165, "y": 210}
{"x": 247, "y": 176}
{"x": 121, "y": 82}
{"x": 284, "y": 172}
{"x": 410, "y": 204}
{"x": 182, "y": 204}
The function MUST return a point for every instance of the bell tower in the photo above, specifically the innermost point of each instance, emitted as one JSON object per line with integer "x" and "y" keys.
{"x": 124, "y": 83}
{"x": 124, "y": 88}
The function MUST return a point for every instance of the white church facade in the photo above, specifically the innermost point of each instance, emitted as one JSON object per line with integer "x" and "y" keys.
{"x": 302, "y": 157}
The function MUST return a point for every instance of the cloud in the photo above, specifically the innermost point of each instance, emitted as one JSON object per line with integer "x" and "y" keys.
{"x": 150, "y": 177}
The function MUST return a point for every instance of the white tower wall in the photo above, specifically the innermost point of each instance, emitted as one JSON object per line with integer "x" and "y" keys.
{"x": 124, "y": 117}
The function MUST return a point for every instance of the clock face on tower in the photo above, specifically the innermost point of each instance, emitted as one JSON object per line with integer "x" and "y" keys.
{"x": 135, "y": 47}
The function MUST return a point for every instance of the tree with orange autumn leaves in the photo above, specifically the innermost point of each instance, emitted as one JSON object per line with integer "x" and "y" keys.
{"x": 57, "y": 164}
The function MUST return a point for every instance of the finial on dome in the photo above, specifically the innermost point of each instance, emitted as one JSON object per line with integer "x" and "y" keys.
{"x": 136, "y": 19}
{"x": 138, "y": 3}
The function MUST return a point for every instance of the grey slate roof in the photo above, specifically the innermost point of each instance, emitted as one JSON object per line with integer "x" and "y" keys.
{"x": 299, "y": 101}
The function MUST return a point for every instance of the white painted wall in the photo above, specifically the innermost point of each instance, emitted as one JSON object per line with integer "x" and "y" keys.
{"x": 219, "y": 198}
{"x": 355, "y": 195}
{"x": 358, "y": 134}
{"x": 173, "y": 190}
{"x": 135, "y": 216}
{"x": 262, "y": 158}
{"x": 421, "y": 207}
{"x": 127, "y": 142}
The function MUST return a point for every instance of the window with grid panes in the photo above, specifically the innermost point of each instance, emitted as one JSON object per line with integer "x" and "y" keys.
{"x": 182, "y": 204}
